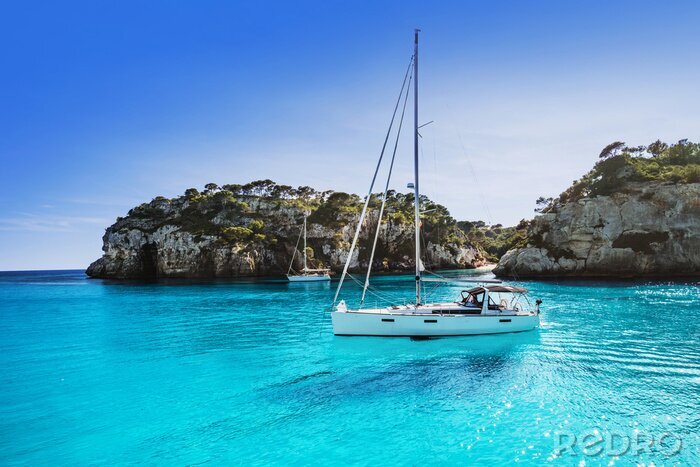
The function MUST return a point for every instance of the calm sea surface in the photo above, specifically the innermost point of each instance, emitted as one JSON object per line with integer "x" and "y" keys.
{"x": 192, "y": 373}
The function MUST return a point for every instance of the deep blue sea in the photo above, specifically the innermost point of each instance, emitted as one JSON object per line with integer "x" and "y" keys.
{"x": 249, "y": 372}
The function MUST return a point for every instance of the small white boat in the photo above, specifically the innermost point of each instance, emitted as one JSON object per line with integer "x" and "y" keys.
{"x": 306, "y": 274}
{"x": 486, "y": 309}
{"x": 310, "y": 275}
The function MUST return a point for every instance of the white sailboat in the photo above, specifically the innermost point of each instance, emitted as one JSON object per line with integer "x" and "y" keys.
{"x": 490, "y": 308}
{"x": 306, "y": 274}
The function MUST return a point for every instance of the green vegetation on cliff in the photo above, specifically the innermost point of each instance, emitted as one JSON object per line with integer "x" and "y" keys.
{"x": 253, "y": 229}
{"x": 495, "y": 240}
{"x": 620, "y": 165}
{"x": 264, "y": 214}
{"x": 635, "y": 214}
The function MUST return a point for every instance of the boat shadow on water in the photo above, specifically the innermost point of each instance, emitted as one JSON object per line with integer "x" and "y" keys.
{"x": 489, "y": 344}
{"x": 462, "y": 367}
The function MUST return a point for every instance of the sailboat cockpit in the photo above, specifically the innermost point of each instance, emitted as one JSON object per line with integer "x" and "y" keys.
{"x": 495, "y": 299}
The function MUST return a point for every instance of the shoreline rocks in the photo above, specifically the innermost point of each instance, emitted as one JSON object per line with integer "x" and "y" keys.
{"x": 648, "y": 229}
{"x": 223, "y": 234}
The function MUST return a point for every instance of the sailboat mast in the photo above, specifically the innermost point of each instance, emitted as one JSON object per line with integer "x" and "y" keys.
{"x": 304, "y": 243}
{"x": 415, "y": 166}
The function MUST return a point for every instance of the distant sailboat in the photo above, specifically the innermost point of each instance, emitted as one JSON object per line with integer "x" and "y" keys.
{"x": 306, "y": 274}
{"x": 486, "y": 309}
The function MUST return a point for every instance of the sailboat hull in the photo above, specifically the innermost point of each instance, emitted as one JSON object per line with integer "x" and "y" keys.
{"x": 309, "y": 278}
{"x": 427, "y": 325}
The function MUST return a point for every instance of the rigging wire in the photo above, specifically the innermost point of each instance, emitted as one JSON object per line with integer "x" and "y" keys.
{"x": 435, "y": 171}
{"x": 386, "y": 189}
{"x": 371, "y": 187}
{"x": 296, "y": 247}
{"x": 434, "y": 191}
{"x": 373, "y": 291}
{"x": 432, "y": 183}
{"x": 471, "y": 167}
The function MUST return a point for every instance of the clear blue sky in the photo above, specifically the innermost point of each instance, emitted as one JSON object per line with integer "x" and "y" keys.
{"x": 104, "y": 105}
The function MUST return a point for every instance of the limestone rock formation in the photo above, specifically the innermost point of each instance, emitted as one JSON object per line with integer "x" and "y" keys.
{"x": 649, "y": 229}
{"x": 252, "y": 230}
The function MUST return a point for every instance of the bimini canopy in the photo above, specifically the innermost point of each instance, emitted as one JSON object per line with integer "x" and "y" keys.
{"x": 498, "y": 288}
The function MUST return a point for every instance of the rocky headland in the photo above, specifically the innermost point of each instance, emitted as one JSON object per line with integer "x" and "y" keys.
{"x": 636, "y": 214}
{"x": 253, "y": 229}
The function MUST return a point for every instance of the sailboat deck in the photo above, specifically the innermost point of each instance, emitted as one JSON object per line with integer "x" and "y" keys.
{"x": 449, "y": 308}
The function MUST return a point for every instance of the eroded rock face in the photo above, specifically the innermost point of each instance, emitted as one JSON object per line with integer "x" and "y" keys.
{"x": 173, "y": 238}
{"x": 652, "y": 229}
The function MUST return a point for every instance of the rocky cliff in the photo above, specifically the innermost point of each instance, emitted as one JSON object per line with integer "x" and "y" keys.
{"x": 248, "y": 230}
{"x": 620, "y": 220}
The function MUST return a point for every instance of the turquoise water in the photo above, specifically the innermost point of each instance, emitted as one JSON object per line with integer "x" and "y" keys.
{"x": 178, "y": 373}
